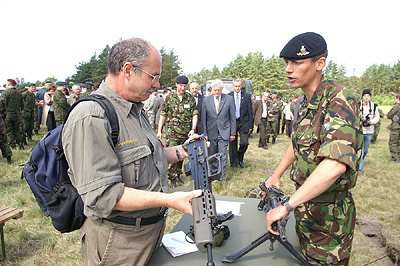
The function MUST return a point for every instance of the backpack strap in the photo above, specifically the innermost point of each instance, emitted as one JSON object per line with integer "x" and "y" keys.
{"x": 109, "y": 109}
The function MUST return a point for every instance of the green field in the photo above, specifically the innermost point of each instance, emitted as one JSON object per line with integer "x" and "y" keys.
{"x": 32, "y": 240}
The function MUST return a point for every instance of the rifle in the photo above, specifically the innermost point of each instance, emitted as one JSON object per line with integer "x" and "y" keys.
{"x": 204, "y": 169}
{"x": 272, "y": 200}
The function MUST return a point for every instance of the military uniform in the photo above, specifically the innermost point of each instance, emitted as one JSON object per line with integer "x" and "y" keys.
{"x": 377, "y": 127}
{"x": 394, "y": 137}
{"x": 14, "y": 105}
{"x": 5, "y": 148}
{"x": 180, "y": 111}
{"x": 28, "y": 114}
{"x": 274, "y": 106}
{"x": 327, "y": 126}
{"x": 61, "y": 107}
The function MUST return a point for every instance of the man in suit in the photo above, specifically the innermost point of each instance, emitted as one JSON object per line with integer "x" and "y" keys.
{"x": 260, "y": 111}
{"x": 219, "y": 122}
{"x": 244, "y": 123}
{"x": 194, "y": 89}
{"x": 158, "y": 105}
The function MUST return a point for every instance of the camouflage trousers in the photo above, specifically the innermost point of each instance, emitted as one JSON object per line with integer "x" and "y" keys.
{"x": 12, "y": 127}
{"x": 5, "y": 148}
{"x": 29, "y": 125}
{"x": 36, "y": 126}
{"x": 326, "y": 230}
{"x": 173, "y": 139}
{"x": 272, "y": 129}
{"x": 376, "y": 133}
{"x": 394, "y": 144}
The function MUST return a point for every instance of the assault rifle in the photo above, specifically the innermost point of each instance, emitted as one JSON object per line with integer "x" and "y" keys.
{"x": 204, "y": 169}
{"x": 272, "y": 200}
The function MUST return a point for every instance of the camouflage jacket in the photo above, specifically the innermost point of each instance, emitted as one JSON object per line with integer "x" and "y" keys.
{"x": 29, "y": 104}
{"x": 328, "y": 126}
{"x": 13, "y": 100}
{"x": 2, "y": 108}
{"x": 274, "y": 106}
{"x": 394, "y": 115}
{"x": 180, "y": 112}
{"x": 61, "y": 105}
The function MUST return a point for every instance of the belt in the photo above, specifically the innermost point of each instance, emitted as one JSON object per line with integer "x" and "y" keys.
{"x": 143, "y": 221}
{"x": 331, "y": 196}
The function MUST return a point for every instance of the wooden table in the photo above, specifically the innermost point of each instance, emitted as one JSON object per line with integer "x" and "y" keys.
{"x": 6, "y": 214}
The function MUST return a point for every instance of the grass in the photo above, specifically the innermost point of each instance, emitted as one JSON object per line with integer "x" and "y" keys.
{"x": 32, "y": 240}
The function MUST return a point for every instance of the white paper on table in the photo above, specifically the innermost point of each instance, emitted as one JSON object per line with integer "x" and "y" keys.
{"x": 177, "y": 245}
{"x": 226, "y": 206}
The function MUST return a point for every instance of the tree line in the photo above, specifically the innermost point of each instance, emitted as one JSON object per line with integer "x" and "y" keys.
{"x": 266, "y": 73}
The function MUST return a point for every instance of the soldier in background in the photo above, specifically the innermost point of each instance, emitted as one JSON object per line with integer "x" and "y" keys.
{"x": 324, "y": 154}
{"x": 181, "y": 110}
{"x": 5, "y": 148}
{"x": 274, "y": 106}
{"x": 14, "y": 106}
{"x": 377, "y": 127}
{"x": 89, "y": 89}
{"x": 394, "y": 137}
{"x": 28, "y": 114}
{"x": 60, "y": 103}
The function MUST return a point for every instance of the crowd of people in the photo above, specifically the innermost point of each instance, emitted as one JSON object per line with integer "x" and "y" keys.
{"x": 125, "y": 188}
{"x": 23, "y": 109}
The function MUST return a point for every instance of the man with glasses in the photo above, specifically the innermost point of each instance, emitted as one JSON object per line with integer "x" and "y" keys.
{"x": 181, "y": 111}
{"x": 124, "y": 188}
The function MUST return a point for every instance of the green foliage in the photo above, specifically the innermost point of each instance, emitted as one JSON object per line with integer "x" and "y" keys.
{"x": 170, "y": 68}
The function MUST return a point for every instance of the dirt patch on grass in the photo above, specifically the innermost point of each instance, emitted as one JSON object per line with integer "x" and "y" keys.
{"x": 372, "y": 227}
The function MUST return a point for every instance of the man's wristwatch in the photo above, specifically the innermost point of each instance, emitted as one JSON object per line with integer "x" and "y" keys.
{"x": 285, "y": 202}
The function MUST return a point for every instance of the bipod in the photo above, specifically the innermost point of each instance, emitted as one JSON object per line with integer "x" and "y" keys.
{"x": 261, "y": 239}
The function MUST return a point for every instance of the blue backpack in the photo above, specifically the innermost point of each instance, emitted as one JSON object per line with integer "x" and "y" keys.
{"x": 46, "y": 173}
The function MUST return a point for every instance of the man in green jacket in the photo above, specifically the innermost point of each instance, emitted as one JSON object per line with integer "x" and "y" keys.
{"x": 60, "y": 103}
{"x": 394, "y": 137}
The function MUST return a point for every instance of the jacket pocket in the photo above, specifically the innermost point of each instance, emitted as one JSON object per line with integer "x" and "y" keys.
{"x": 133, "y": 162}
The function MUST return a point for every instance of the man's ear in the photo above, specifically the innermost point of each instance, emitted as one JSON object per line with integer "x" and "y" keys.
{"x": 128, "y": 70}
{"x": 321, "y": 62}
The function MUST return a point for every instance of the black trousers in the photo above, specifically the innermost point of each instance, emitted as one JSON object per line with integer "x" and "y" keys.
{"x": 236, "y": 155}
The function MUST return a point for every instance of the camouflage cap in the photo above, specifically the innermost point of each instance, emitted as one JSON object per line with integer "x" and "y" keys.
{"x": 305, "y": 45}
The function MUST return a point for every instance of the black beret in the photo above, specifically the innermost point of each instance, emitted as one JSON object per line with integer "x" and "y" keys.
{"x": 182, "y": 80}
{"x": 304, "y": 46}
{"x": 366, "y": 91}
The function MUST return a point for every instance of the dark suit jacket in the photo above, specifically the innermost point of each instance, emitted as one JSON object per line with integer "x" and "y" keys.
{"x": 222, "y": 123}
{"x": 200, "y": 99}
{"x": 246, "y": 110}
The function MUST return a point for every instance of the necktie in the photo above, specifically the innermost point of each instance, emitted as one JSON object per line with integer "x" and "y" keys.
{"x": 237, "y": 113}
{"x": 217, "y": 104}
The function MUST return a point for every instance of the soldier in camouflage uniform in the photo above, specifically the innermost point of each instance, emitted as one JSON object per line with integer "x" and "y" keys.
{"x": 181, "y": 110}
{"x": 14, "y": 106}
{"x": 377, "y": 127}
{"x": 21, "y": 127}
{"x": 89, "y": 89}
{"x": 394, "y": 137}
{"x": 5, "y": 148}
{"x": 28, "y": 114}
{"x": 274, "y": 106}
{"x": 324, "y": 154}
{"x": 60, "y": 103}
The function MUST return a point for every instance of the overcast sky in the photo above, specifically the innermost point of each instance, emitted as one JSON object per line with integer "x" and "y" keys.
{"x": 49, "y": 38}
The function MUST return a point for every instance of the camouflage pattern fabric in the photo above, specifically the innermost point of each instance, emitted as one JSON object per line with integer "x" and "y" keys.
{"x": 36, "y": 125}
{"x": 377, "y": 126}
{"x": 14, "y": 105}
{"x": 5, "y": 148}
{"x": 179, "y": 113}
{"x": 61, "y": 107}
{"x": 173, "y": 139}
{"x": 271, "y": 129}
{"x": 328, "y": 126}
{"x": 274, "y": 106}
{"x": 21, "y": 128}
{"x": 86, "y": 93}
{"x": 28, "y": 114}
{"x": 394, "y": 136}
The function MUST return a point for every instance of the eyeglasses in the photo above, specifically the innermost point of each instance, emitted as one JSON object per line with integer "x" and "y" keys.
{"x": 155, "y": 78}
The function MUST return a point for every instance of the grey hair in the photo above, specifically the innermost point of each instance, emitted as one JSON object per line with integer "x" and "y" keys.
{"x": 238, "y": 80}
{"x": 266, "y": 94}
{"x": 134, "y": 50}
{"x": 215, "y": 82}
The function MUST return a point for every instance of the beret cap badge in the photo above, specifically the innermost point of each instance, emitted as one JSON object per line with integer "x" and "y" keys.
{"x": 303, "y": 51}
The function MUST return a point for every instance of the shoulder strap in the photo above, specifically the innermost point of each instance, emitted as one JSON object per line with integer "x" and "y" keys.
{"x": 109, "y": 111}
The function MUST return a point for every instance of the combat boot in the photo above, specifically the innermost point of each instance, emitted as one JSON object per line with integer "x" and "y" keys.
{"x": 273, "y": 140}
{"x": 36, "y": 132}
{"x": 29, "y": 138}
{"x": 24, "y": 142}
{"x": 267, "y": 140}
{"x": 21, "y": 146}
{"x": 9, "y": 161}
